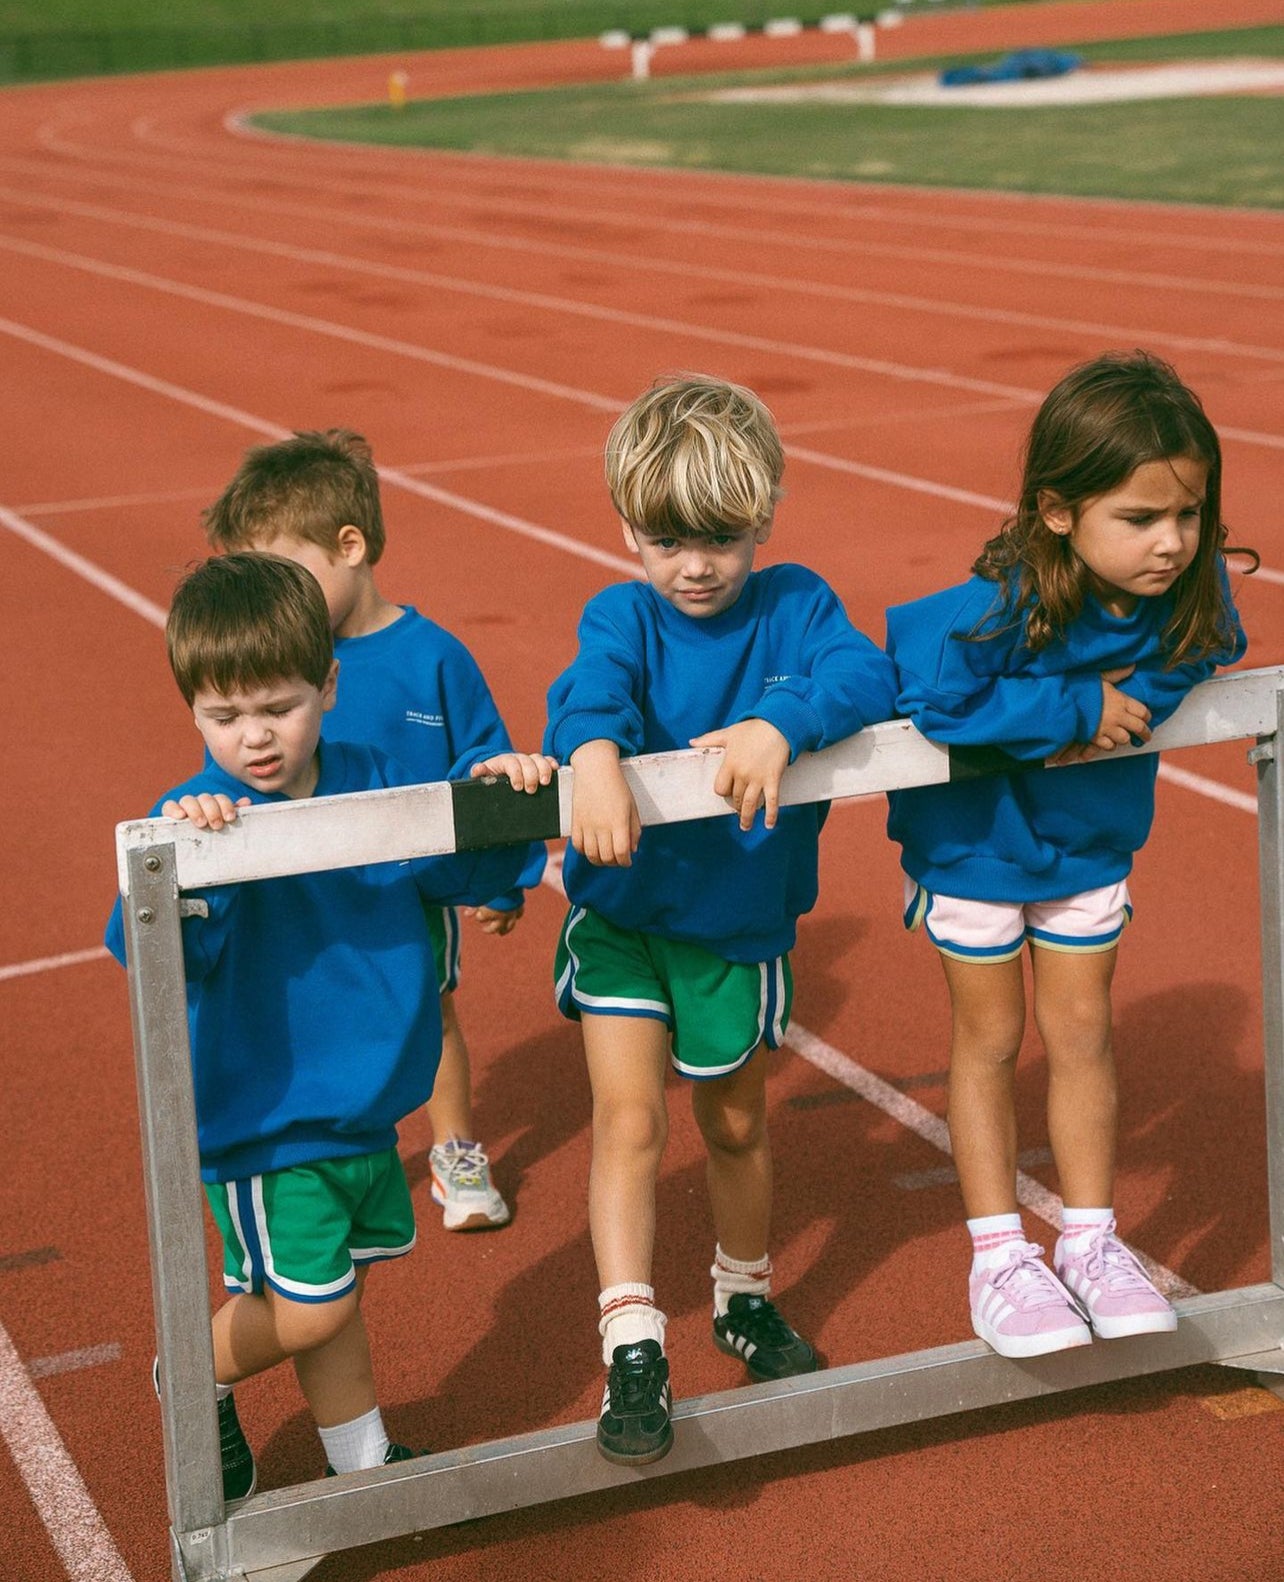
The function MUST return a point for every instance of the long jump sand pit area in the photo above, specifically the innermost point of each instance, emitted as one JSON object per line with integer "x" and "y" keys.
{"x": 1082, "y": 86}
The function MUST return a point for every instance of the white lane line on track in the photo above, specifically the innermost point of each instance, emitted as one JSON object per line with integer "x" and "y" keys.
{"x": 114, "y": 502}
{"x": 426, "y": 195}
{"x": 259, "y": 426}
{"x": 401, "y": 226}
{"x": 650, "y": 264}
{"x": 312, "y": 324}
{"x": 508, "y": 295}
{"x": 74, "y": 1361}
{"x": 834, "y": 200}
{"x": 57, "y": 1491}
{"x": 70, "y": 958}
{"x": 435, "y": 169}
{"x": 103, "y": 580}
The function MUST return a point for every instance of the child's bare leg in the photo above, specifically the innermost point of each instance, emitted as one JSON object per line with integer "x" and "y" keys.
{"x": 731, "y": 1113}
{"x": 627, "y": 1060}
{"x": 254, "y": 1333}
{"x": 1072, "y": 1010}
{"x": 450, "y": 1108}
{"x": 987, "y": 1002}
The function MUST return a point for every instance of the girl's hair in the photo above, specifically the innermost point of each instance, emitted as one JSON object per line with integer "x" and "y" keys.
{"x": 1101, "y": 422}
{"x": 694, "y": 456}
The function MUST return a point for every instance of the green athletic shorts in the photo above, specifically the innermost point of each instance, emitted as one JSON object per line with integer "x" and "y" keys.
{"x": 717, "y": 1011}
{"x": 302, "y": 1230}
{"x": 443, "y": 927}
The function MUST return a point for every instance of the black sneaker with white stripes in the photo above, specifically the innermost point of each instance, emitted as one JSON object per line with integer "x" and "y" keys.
{"x": 634, "y": 1427}
{"x": 752, "y": 1329}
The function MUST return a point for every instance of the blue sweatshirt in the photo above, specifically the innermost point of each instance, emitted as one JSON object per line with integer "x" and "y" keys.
{"x": 414, "y": 691}
{"x": 313, "y": 998}
{"x": 649, "y": 678}
{"x": 1041, "y": 834}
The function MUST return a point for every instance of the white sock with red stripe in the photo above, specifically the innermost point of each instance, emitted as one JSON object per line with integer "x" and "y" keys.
{"x": 628, "y": 1315}
{"x": 1078, "y": 1224}
{"x": 732, "y": 1275}
{"x": 992, "y": 1237}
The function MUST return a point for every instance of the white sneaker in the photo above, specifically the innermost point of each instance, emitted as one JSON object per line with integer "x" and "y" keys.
{"x": 461, "y": 1184}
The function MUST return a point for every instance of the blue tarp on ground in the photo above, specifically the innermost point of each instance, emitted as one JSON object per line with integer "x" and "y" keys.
{"x": 1012, "y": 68}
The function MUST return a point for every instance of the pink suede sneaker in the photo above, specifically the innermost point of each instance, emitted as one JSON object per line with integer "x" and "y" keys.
{"x": 1112, "y": 1288}
{"x": 1022, "y": 1309}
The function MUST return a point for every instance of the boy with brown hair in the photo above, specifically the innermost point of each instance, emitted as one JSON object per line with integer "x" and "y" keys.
{"x": 675, "y": 949}
{"x": 312, "y": 1004}
{"x": 409, "y": 688}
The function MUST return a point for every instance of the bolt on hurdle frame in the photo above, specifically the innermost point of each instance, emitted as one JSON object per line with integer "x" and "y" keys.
{"x": 280, "y": 1535}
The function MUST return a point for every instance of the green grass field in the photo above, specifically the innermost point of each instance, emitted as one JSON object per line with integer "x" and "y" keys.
{"x": 1222, "y": 150}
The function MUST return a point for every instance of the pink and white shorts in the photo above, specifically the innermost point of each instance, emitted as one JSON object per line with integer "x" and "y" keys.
{"x": 988, "y": 931}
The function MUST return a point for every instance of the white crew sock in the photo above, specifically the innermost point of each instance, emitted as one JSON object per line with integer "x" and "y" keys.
{"x": 354, "y": 1446}
{"x": 732, "y": 1276}
{"x": 992, "y": 1238}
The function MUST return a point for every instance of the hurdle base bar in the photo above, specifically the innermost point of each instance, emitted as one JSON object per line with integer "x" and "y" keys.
{"x": 300, "y": 1525}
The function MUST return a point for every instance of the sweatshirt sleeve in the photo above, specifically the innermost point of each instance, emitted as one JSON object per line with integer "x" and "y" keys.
{"x": 596, "y": 697}
{"x": 956, "y": 689}
{"x": 845, "y": 681}
{"x": 203, "y": 937}
{"x": 478, "y": 732}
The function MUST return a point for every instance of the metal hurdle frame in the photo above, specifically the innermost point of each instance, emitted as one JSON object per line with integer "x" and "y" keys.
{"x": 279, "y": 1535}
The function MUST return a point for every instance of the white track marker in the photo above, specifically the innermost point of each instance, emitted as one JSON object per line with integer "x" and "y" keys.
{"x": 72, "y": 958}
{"x": 62, "y": 1502}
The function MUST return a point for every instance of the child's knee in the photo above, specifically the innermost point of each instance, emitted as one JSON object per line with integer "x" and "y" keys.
{"x": 303, "y": 1326}
{"x": 638, "y": 1127}
{"x": 732, "y": 1124}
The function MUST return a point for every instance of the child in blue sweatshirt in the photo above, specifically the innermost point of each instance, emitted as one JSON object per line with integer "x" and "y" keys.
{"x": 1089, "y": 616}
{"x": 313, "y": 1007}
{"x": 409, "y": 688}
{"x": 676, "y": 944}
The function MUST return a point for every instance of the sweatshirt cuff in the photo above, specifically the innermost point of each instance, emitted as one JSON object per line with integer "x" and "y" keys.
{"x": 571, "y": 734}
{"x": 1088, "y": 700}
{"x": 794, "y": 718}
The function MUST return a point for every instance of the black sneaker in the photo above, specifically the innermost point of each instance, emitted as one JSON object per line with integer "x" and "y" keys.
{"x": 634, "y": 1427}
{"x": 394, "y": 1453}
{"x": 754, "y": 1330}
{"x": 240, "y": 1475}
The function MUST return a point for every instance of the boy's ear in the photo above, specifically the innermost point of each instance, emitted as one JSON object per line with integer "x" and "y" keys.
{"x": 330, "y": 686}
{"x": 630, "y": 538}
{"x": 1057, "y": 516}
{"x": 350, "y": 545}
{"x": 762, "y": 532}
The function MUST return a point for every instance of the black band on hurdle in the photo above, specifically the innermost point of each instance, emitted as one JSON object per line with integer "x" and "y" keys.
{"x": 491, "y": 813}
{"x": 970, "y": 763}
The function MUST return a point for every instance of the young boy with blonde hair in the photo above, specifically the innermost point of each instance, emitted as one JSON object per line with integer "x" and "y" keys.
{"x": 410, "y": 688}
{"x": 312, "y": 1004}
{"x": 675, "y": 948}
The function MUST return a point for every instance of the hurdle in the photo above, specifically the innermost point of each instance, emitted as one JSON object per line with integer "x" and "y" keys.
{"x": 281, "y": 1534}
{"x": 642, "y": 46}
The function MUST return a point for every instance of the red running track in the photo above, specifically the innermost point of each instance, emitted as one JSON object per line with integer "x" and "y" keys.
{"x": 175, "y": 291}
